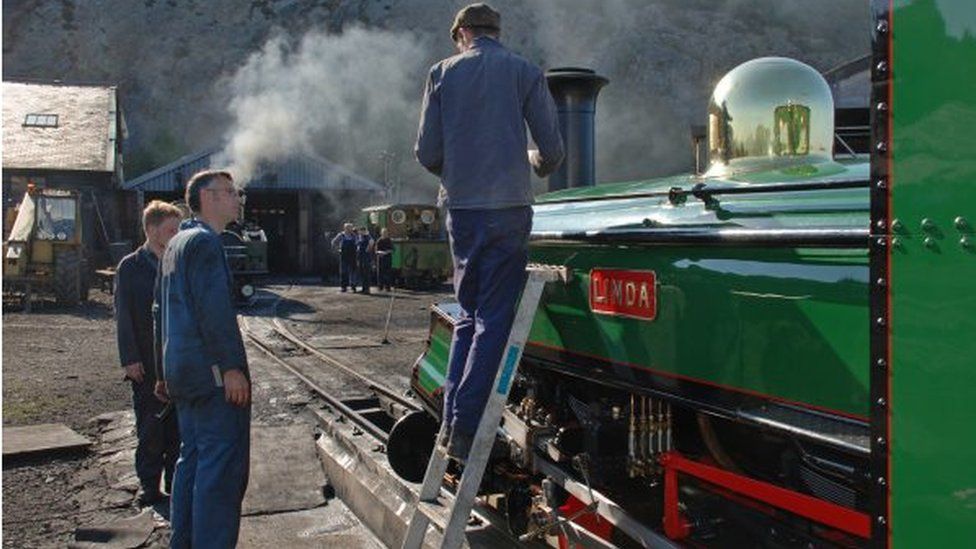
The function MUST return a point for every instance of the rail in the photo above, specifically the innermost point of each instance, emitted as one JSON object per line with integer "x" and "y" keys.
{"x": 362, "y": 412}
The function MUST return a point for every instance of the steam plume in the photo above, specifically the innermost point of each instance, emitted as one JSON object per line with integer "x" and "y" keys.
{"x": 347, "y": 97}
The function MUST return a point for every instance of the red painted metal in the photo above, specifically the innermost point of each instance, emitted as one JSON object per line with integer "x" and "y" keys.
{"x": 621, "y": 292}
{"x": 593, "y": 522}
{"x": 675, "y": 524}
{"x": 818, "y": 510}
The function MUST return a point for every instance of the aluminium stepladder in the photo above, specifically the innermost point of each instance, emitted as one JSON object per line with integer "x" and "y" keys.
{"x": 448, "y": 513}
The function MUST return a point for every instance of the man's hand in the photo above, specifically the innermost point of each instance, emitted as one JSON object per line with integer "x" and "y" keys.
{"x": 135, "y": 372}
{"x": 161, "y": 392}
{"x": 535, "y": 160}
{"x": 236, "y": 388}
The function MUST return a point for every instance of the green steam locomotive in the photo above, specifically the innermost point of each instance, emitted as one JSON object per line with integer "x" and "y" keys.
{"x": 421, "y": 257}
{"x": 772, "y": 353}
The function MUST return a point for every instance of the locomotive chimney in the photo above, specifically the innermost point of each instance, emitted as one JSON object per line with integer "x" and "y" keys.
{"x": 575, "y": 91}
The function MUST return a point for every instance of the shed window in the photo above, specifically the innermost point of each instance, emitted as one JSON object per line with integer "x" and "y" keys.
{"x": 41, "y": 120}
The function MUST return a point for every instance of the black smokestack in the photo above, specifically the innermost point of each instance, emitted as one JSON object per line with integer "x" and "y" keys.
{"x": 575, "y": 92}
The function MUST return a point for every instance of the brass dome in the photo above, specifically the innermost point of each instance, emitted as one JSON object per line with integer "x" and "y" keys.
{"x": 769, "y": 113}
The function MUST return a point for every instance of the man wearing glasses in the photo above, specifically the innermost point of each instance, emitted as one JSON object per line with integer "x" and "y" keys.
{"x": 204, "y": 369}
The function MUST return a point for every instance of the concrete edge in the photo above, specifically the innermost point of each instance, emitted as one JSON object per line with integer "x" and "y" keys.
{"x": 382, "y": 502}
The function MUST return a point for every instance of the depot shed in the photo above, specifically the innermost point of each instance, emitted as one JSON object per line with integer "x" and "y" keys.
{"x": 298, "y": 201}
{"x": 68, "y": 136}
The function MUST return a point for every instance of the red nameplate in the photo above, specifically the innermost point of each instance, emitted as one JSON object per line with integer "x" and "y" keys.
{"x": 623, "y": 293}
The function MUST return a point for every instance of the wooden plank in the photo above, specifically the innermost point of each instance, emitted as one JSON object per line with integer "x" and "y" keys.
{"x": 285, "y": 471}
{"x": 40, "y": 439}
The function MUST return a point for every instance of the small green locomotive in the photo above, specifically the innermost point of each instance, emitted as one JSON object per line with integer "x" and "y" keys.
{"x": 774, "y": 353}
{"x": 421, "y": 257}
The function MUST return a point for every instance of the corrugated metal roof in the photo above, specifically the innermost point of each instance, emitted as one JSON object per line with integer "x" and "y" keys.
{"x": 85, "y": 135}
{"x": 301, "y": 172}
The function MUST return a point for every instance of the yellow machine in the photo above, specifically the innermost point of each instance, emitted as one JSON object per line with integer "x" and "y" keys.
{"x": 45, "y": 251}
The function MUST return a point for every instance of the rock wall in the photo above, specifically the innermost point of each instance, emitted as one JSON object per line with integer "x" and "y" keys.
{"x": 176, "y": 61}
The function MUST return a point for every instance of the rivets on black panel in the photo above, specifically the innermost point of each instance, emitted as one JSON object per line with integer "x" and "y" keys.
{"x": 881, "y": 147}
{"x": 881, "y": 26}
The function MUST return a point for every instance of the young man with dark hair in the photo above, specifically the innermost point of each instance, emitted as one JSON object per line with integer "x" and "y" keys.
{"x": 204, "y": 369}
{"x": 472, "y": 134}
{"x": 156, "y": 431}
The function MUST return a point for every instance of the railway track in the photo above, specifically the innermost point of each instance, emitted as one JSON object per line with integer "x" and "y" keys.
{"x": 375, "y": 407}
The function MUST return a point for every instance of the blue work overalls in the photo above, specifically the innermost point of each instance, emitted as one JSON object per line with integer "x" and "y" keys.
{"x": 490, "y": 249}
{"x": 158, "y": 437}
{"x": 347, "y": 260}
{"x": 200, "y": 340}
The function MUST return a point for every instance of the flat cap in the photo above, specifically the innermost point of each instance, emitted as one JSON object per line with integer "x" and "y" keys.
{"x": 478, "y": 15}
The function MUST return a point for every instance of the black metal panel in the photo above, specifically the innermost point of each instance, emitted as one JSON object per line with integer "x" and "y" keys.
{"x": 842, "y": 432}
{"x": 881, "y": 242}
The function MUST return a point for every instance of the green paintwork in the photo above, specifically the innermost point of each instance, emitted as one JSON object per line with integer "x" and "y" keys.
{"x": 933, "y": 308}
{"x": 432, "y": 365}
{"x": 791, "y": 324}
{"x": 422, "y": 255}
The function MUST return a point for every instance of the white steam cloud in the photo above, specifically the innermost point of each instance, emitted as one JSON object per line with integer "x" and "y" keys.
{"x": 349, "y": 97}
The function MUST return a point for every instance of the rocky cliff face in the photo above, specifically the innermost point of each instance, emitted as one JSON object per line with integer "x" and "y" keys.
{"x": 195, "y": 73}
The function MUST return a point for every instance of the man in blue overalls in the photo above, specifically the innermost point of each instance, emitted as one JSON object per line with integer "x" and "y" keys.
{"x": 472, "y": 134}
{"x": 205, "y": 369}
{"x": 364, "y": 258}
{"x": 345, "y": 242}
{"x": 156, "y": 430}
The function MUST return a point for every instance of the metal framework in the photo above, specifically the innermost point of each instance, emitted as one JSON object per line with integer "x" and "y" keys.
{"x": 880, "y": 271}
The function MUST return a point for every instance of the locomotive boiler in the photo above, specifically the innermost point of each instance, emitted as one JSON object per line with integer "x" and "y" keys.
{"x": 715, "y": 369}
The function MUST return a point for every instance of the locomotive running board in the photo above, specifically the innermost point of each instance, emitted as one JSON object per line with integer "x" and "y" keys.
{"x": 846, "y": 435}
{"x": 435, "y": 506}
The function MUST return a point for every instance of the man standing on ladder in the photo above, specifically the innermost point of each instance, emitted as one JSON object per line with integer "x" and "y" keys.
{"x": 472, "y": 135}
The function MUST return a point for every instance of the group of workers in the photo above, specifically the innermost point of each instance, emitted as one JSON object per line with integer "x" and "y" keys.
{"x": 356, "y": 253}
{"x": 177, "y": 329}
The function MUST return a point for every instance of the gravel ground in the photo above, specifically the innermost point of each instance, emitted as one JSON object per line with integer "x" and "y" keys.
{"x": 61, "y": 366}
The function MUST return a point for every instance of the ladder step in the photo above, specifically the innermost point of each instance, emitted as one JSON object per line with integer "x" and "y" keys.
{"x": 439, "y": 511}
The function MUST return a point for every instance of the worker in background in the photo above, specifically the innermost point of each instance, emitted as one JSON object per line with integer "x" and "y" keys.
{"x": 472, "y": 135}
{"x": 345, "y": 244}
{"x": 204, "y": 369}
{"x": 384, "y": 260}
{"x": 364, "y": 258}
{"x": 157, "y": 435}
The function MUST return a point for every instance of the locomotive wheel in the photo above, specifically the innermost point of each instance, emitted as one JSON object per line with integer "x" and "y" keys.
{"x": 410, "y": 445}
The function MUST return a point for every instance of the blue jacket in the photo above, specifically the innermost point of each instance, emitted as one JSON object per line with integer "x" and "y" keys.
{"x": 197, "y": 323}
{"x": 135, "y": 278}
{"x": 472, "y": 127}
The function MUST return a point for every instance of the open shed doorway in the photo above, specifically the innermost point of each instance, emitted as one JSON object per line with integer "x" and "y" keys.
{"x": 277, "y": 214}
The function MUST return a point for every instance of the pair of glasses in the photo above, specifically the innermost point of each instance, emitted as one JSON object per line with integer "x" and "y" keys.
{"x": 230, "y": 192}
